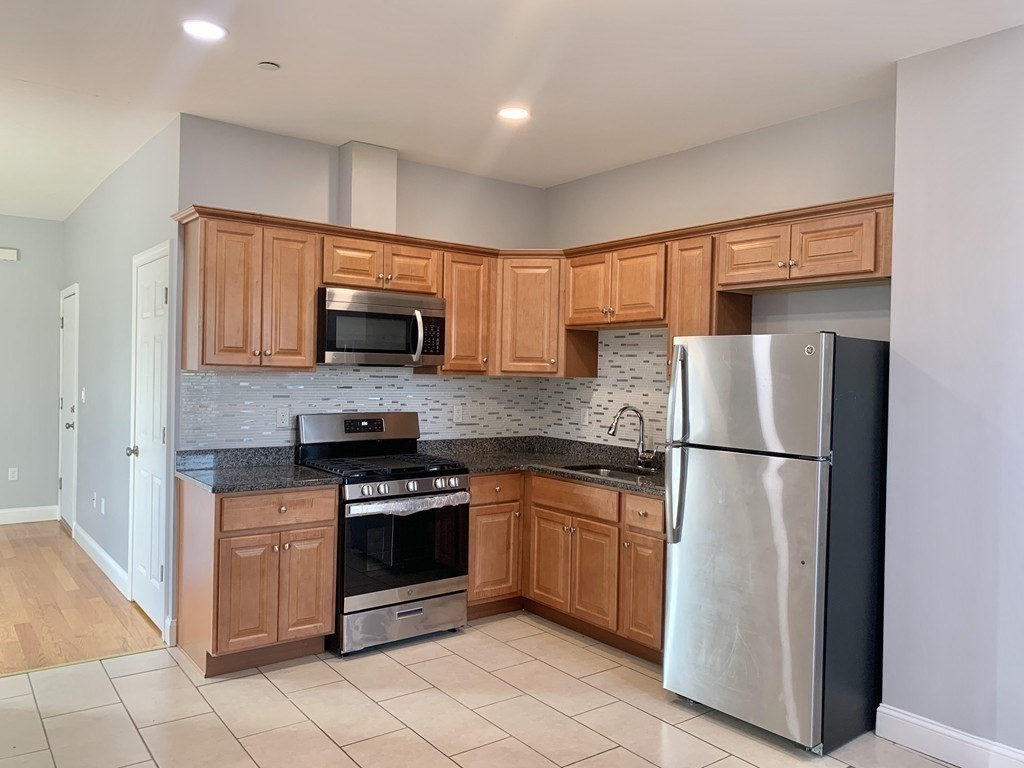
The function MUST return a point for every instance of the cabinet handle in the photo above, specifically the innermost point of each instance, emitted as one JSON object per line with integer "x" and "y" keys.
{"x": 565, "y": 528}
{"x": 518, "y": 514}
{"x": 604, "y": 310}
{"x": 782, "y": 264}
{"x": 572, "y": 530}
{"x": 497, "y": 489}
{"x": 380, "y": 276}
{"x": 552, "y": 361}
{"x": 266, "y": 353}
{"x": 484, "y": 360}
{"x": 255, "y": 353}
{"x": 625, "y": 545}
{"x": 283, "y": 509}
{"x": 642, "y": 512}
{"x": 287, "y": 547}
{"x": 792, "y": 263}
{"x": 277, "y": 548}
{"x": 390, "y": 277}
{"x": 611, "y": 310}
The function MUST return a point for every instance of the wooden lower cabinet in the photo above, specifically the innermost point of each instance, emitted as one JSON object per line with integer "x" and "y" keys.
{"x": 642, "y": 588}
{"x": 494, "y": 551}
{"x": 550, "y": 558}
{"x": 307, "y": 583}
{"x": 595, "y": 572}
{"x": 247, "y": 589}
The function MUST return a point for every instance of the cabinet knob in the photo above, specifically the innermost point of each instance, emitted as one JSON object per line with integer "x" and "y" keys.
{"x": 518, "y": 514}
{"x": 642, "y": 512}
{"x": 266, "y": 353}
{"x": 565, "y": 528}
{"x": 604, "y": 310}
{"x": 792, "y": 263}
{"x": 625, "y": 545}
{"x": 611, "y": 310}
{"x": 782, "y": 264}
{"x": 552, "y": 361}
{"x": 390, "y": 278}
{"x": 287, "y": 547}
{"x": 572, "y": 529}
{"x": 380, "y": 276}
{"x": 277, "y": 548}
{"x": 484, "y": 360}
{"x": 283, "y": 509}
{"x": 255, "y": 353}
{"x": 497, "y": 489}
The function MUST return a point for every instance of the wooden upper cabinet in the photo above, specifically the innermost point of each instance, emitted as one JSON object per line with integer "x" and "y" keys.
{"x": 353, "y": 263}
{"x": 642, "y": 588}
{"x": 549, "y": 559}
{"x": 837, "y": 245}
{"x": 759, "y": 254}
{"x": 530, "y": 321}
{"x": 247, "y": 592}
{"x": 469, "y": 296}
{"x": 289, "y": 298}
{"x": 307, "y": 583}
{"x": 637, "y": 284}
{"x": 412, "y": 270}
{"x": 233, "y": 293}
{"x": 595, "y": 572}
{"x": 692, "y": 286}
{"x": 494, "y": 551}
{"x": 588, "y": 289}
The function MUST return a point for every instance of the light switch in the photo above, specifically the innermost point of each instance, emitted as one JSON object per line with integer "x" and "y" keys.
{"x": 12, "y": 473}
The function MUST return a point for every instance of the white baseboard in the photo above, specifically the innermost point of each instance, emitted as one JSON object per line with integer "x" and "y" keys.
{"x": 171, "y": 631}
{"x": 945, "y": 743}
{"x": 29, "y": 514}
{"x": 117, "y": 575}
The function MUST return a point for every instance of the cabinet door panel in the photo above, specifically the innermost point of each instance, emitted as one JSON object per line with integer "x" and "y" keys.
{"x": 642, "y": 589}
{"x": 529, "y": 315}
{"x": 353, "y": 263}
{"x": 468, "y": 293}
{"x": 838, "y": 245}
{"x": 595, "y": 573}
{"x": 550, "y": 548}
{"x": 638, "y": 284}
{"x": 587, "y": 290}
{"x": 753, "y": 255}
{"x": 307, "y": 583}
{"x": 689, "y": 300}
{"x": 412, "y": 270}
{"x": 233, "y": 295}
{"x": 247, "y": 592}
{"x": 494, "y": 551}
{"x": 289, "y": 298}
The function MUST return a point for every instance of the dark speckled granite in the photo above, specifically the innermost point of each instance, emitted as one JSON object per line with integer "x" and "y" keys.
{"x": 259, "y": 469}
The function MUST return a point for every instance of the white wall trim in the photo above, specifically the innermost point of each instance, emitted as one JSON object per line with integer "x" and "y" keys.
{"x": 117, "y": 575}
{"x": 29, "y": 514}
{"x": 945, "y": 743}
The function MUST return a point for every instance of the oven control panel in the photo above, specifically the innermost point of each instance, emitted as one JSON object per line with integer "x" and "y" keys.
{"x": 394, "y": 488}
{"x": 433, "y": 335}
{"x": 356, "y": 426}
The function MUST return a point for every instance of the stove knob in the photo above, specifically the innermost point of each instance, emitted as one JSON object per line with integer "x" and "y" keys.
{"x": 366, "y": 490}
{"x": 383, "y": 488}
{"x": 412, "y": 485}
{"x": 453, "y": 482}
{"x": 439, "y": 482}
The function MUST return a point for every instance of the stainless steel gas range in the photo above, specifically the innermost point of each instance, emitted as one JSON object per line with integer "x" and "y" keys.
{"x": 404, "y": 532}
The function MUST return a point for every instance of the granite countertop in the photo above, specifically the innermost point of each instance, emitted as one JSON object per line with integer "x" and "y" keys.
{"x": 260, "y": 469}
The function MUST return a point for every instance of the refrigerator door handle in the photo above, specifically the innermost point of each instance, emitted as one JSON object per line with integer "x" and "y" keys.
{"x": 675, "y": 481}
{"x": 678, "y": 422}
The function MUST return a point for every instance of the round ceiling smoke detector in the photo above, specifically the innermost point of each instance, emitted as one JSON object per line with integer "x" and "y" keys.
{"x": 269, "y": 66}
{"x": 203, "y": 30}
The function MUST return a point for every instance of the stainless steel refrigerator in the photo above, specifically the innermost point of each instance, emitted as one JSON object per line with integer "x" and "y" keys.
{"x": 775, "y": 471}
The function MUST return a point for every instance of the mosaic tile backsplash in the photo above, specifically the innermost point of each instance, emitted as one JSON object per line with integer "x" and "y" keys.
{"x": 229, "y": 410}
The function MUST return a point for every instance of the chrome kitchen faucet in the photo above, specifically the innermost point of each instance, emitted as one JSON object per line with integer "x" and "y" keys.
{"x": 643, "y": 458}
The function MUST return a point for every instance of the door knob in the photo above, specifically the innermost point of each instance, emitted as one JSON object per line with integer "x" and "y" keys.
{"x": 132, "y": 451}
{"x": 69, "y": 425}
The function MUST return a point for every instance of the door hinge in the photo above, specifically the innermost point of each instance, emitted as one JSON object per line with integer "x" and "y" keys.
{"x": 165, "y": 294}
{"x": 161, "y": 574}
{"x": 163, "y": 435}
{"x": 60, "y": 483}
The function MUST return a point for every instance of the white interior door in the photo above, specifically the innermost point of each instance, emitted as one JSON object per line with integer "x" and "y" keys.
{"x": 68, "y": 401}
{"x": 148, "y": 450}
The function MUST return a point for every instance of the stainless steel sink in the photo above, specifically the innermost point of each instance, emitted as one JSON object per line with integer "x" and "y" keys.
{"x": 615, "y": 472}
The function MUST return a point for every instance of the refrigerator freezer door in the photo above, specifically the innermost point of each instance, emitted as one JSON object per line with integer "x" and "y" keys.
{"x": 767, "y": 393}
{"x": 745, "y": 589}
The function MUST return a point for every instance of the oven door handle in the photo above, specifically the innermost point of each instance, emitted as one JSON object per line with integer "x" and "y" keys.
{"x": 408, "y": 506}
{"x": 420, "y": 337}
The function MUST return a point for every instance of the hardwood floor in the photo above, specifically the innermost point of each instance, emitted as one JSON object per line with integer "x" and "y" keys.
{"x": 56, "y": 606}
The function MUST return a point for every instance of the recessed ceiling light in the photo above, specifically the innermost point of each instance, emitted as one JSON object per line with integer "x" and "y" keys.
{"x": 203, "y": 30}
{"x": 513, "y": 113}
{"x": 269, "y": 66}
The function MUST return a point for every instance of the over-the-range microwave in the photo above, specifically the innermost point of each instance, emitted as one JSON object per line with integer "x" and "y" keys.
{"x": 379, "y": 328}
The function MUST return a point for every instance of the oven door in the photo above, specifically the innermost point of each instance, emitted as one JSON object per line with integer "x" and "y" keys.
{"x": 375, "y": 328}
{"x": 397, "y": 550}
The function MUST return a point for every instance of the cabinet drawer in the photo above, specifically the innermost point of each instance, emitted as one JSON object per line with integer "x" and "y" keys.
{"x": 643, "y": 512}
{"x": 265, "y": 510}
{"x": 495, "y": 489}
{"x": 577, "y": 498}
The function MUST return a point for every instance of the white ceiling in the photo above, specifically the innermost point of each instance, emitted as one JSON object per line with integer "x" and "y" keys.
{"x": 84, "y": 84}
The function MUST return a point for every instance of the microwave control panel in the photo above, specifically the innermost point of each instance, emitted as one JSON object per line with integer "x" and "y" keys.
{"x": 433, "y": 335}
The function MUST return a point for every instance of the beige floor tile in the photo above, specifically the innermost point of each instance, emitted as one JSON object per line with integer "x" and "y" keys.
{"x": 378, "y": 676}
{"x": 642, "y": 666}
{"x": 644, "y": 693}
{"x": 15, "y": 685}
{"x": 561, "y": 654}
{"x": 401, "y": 748}
{"x": 196, "y": 677}
{"x": 72, "y": 688}
{"x": 300, "y": 674}
{"x": 135, "y": 663}
{"x": 869, "y": 751}
{"x": 555, "y": 688}
{"x": 442, "y": 721}
{"x": 104, "y": 737}
{"x": 507, "y": 753}
{"x": 251, "y": 705}
{"x": 415, "y": 651}
{"x": 21, "y": 730}
{"x": 465, "y": 682}
{"x": 35, "y": 760}
{"x": 296, "y": 745}
{"x": 652, "y": 739}
{"x": 344, "y": 712}
{"x": 508, "y": 628}
{"x": 620, "y": 758}
{"x": 159, "y": 696}
{"x": 732, "y": 762}
{"x": 557, "y": 629}
{"x": 196, "y": 741}
{"x": 759, "y": 747}
{"x": 147, "y": 764}
{"x": 557, "y": 737}
{"x": 484, "y": 651}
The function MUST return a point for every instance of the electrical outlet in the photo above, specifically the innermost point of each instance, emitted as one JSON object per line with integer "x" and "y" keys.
{"x": 12, "y": 473}
{"x": 585, "y": 416}
{"x": 283, "y": 416}
{"x": 458, "y": 413}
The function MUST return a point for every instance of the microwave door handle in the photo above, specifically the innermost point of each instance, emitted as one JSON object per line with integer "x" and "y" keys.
{"x": 420, "y": 337}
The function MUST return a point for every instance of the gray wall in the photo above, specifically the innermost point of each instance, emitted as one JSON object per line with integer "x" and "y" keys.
{"x": 29, "y": 376}
{"x": 127, "y": 214}
{"x": 954, "y": 615}
{"x": 448, "y": 205}
{"x": 861, "y": 311}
